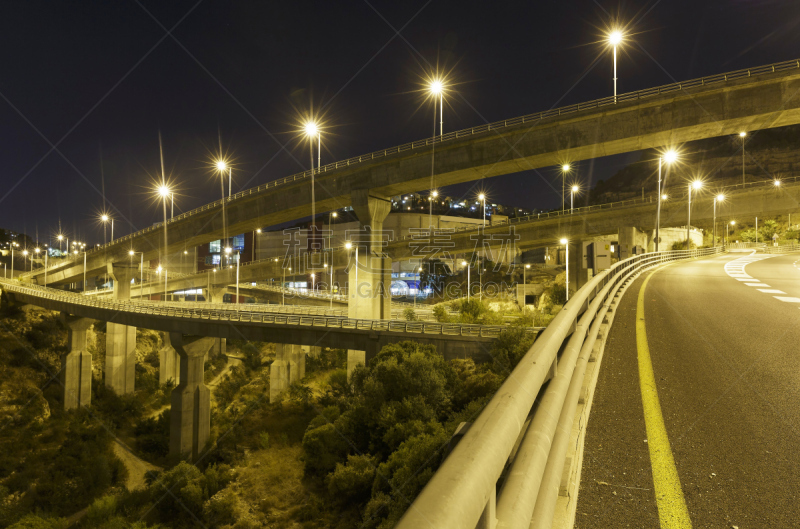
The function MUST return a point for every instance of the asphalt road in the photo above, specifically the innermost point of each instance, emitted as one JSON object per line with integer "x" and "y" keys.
{"x": 725, "y": 351}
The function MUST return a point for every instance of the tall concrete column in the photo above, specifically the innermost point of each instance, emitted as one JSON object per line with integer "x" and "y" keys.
{"x": 76, "y": 365}
{"x": 190, "y": 414}
{"x": 279, "y": 371}
{"x": 297, "y": 363}
{"x": 169, "y": 365}
{"x": 370, "y": 280}
{"x": 215, "y": 294}
{"x": 121, "y": 339}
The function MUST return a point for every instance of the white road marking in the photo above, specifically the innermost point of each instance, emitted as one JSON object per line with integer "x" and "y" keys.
{"x": 757, "y": 285}
{"x": 771, "y": 291}
{"x": 787, "y": 300}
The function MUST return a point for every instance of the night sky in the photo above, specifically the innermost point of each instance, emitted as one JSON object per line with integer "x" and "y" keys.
{"x": 86, "y": 86}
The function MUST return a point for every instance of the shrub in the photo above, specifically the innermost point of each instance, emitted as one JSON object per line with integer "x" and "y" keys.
{"x": 33, "y": 521}
{"x": 558, "y": 294}
{"x": 352, "y": 482}
{"x": 101, "y": 510}
{"x": 441, "y": 314}
{"x": 410, "y": 315}
{"x": 323, "y": 447}
{"x": 252, "y": 357}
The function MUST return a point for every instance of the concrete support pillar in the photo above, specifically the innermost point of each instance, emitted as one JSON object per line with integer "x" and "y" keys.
{"x": 279, "y": 371}
{"x": 369, "y": 279}
{"x": 76, "y": 365}
{"x": 190, "y": 415}
{"x": 121, "y": 339}
{"x": 297, "y": 363}
{"x": 120, "y": 357}
{"x": 169, "y": 365}
{"x": 355, "y": 358}
{"x": 631, "y": 241}
{"x": 220, "y": 346}
{"x": 215, "y": 294}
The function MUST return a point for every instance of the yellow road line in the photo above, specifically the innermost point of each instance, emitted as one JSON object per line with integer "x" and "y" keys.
{"x": 672, "y": 511}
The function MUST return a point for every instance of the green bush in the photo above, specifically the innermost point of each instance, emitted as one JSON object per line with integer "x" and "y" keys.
{"x": 152, "y": 434}
{"x": 323, "y": 447}
{"x": 441, "y": 314}
{"x": 410, "y": 315}
{"x": 33, "y": 521}
{"x": 101, "y": 510}
{"x": 352, "y": 482}
{"x": 558, "y": 294}
{"x": 252, "y": 357}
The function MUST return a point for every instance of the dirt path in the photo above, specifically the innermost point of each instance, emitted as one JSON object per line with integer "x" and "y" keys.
{"x": 136, "y": 467}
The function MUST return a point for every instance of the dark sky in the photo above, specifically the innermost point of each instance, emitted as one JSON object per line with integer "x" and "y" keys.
{"x": 103, "y": 77}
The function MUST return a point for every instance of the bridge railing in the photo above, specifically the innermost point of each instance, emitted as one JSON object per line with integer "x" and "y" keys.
{"x": 203, "y": 313}
{"x": 463, "y": 492}
{"x": 782, "y": 248}
{"x": 496, "y": 126}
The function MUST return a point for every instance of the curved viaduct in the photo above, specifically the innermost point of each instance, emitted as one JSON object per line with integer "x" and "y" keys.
{"x": 720, "y": 105}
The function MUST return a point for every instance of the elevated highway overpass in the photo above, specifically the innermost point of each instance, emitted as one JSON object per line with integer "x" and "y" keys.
{"x": 723, "y": 104}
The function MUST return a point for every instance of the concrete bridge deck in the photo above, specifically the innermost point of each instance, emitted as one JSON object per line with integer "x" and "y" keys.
{"x": 725, "y": 104}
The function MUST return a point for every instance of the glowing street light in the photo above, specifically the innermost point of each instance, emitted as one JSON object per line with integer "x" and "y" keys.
{"x": 777, "y": 183}
{"x": 671, "y": 156}
{"x": 432, "y": 199}
{"x": 615, "y": 39}
{"x": 566, "y": 168}
{"x": 727, "y": 233}
{"x": 565, "y": 242}
{"x": 572, "y": 197}
{"x": 695, "y": 185}
{"x": 312, "y": 131}
{"x": 718, "y": 198}
{"x": 222, "y": 165}
{"x": 105, "y": 219}
{"x": 743, "y": 135}
{"x": 60, "y": 238}
{"x": 164, "y": 191}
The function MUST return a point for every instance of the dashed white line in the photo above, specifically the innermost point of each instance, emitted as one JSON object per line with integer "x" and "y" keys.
{"x": 787, "y": 300}
{"x": 770, "y": 291}
{"x": 757, "y": 285}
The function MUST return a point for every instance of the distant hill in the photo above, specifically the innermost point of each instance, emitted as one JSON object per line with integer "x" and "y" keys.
{"x": 771, "y": 153}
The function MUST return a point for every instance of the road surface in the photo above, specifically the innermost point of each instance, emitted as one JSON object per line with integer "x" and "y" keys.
{"x": 724, "y": 343}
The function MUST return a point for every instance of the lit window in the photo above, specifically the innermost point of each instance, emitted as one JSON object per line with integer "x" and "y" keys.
{"x": 238, "y": 242}
{"x": 214, "y": 247}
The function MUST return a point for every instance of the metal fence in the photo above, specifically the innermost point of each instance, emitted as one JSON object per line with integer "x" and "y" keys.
{"x": 463, "y": 492}
{"x": 204, "y": 314}
{"x": 496, "y": 126}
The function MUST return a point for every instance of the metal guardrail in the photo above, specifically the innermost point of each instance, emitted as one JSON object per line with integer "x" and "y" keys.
{"x": 330, "y": 322}
{"x": 459, "y": 134}
{"x": 462, "y": 493}
{"x": 612, "y": 205}
{"x": 784, "y": 248}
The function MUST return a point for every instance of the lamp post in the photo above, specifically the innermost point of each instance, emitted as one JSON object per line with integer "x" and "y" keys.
{"x": 106, "y": 219}
{"x": 312, "y": 131}
{"x": 61, "y": 238}
{"x": 283, "y": 287}
{"x": 12, "y": 258}
{"x": 465, "y": 264}
{"x": 330, "y": 287}
{"x": 221, "y": 167}
{"x": 313, "y": 284}
{"x": 436, "y": 89}
{"x": 697, "y": 184}
{"x": 727, "y": 233}
{"x": 615, "y": 38}
{"x": 24, "y": 255}
{"x": 482, "y": 198}
{"x": 165, "y": 192}
{"x": 524, "y": 284}
{"x": 348, "y": 245}
{"x": 743, "y": 135}
{"x": 718, "y": 198}
{"x": 141, "y": 273}
{"x": 572, "y": 197}
{"x": 565, "y": 242}
{"x": 669, "y": 157}
{"x": 432, "y": 199}
{"x": 564, "y": 170}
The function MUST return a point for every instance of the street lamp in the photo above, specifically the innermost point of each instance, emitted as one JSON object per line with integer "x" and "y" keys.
{"x": 60, "y": 238}
{"x": 141, "y": 273}
{"x": 24, "y": 255}
{"x": 524, "y": 283}
{"x": 572, "y": 197}
{"x": 743, "y": 135}
{"x": 777, "y": 183}
{"x": 348, "y": 245}
{"x": 564, "y": 170}
{"x": 727, "y": 233}
{"x": 105, "y": 219}
{"x": 565, "y": 242}
{"x": 669, "y": 157}
{"x": 330, "y": 287}
{"x": 464, "y": 263}
{"x": 312, "y": 131}
{"x": 436, "y": 90}
{"x": 482, "y": 198}
{"x": 331, "y": 216}
{"x": 164, "y": 191}
{"x": 221, "y": 167}
{"x": 614, "y": 39}
{"x": 718, "y": 198}
{"x": 432, "y": 199}
{"x": 696, "y": 185}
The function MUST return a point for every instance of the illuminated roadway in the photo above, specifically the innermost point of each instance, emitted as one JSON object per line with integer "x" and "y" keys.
{"x": 725, "y": 349}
